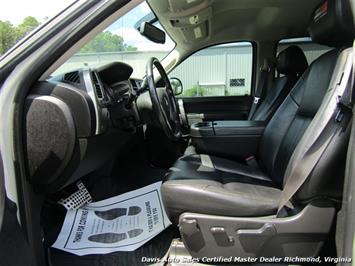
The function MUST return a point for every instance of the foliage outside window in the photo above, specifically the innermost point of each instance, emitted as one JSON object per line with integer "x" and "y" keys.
{"x": 122, "y": 42}
{"x": 107, "y": 42}
{"x": 10, "y": 34}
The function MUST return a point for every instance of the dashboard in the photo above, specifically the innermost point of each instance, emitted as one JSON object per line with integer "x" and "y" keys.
{"x": 77, "y": 121}
{"x": 113, "y": 93}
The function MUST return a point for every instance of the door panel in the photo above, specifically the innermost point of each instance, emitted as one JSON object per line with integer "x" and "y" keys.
{"x": 216, "y": 108}
{"x": 12, "y": 239}
{"x": 2, "y": 192}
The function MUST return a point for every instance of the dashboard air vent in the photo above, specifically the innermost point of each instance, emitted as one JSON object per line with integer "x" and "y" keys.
{"x": 72, "y": 77}
{"x": 97, "y": 86}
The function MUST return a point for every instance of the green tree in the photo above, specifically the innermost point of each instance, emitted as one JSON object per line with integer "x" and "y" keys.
{"x": 107, "y": 42}
{"x": 8, "y": 36}
{"x": 194, "y": 91}
{"x": 104, "y": 42}
{"x": 27, "y": 25}
{"x": 130, "y": 48}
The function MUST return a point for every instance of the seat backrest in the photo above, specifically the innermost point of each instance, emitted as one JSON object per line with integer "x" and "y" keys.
{"x": 291, "y": 63}
{"x": 293, "y": 117}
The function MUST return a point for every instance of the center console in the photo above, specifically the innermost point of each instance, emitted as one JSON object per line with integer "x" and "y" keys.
{"x": 232, "y": 139}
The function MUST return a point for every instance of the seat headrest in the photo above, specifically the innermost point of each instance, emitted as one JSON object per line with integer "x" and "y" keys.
{"x": 291, "y": 61}
{"x": 332, "y": 23}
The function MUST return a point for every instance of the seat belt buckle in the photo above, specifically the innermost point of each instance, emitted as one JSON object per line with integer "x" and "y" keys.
{"x": 256, "y": 100}
{"x": 251, "y": 161}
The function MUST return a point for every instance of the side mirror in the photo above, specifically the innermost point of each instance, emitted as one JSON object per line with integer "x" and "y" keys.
{"x": 176, "y": 85}
{"x": 152, "y": 33}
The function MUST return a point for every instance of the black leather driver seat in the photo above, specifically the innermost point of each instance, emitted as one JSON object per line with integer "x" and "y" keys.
{"x": 212, "y": 185}
{"x": 291, "y": 64}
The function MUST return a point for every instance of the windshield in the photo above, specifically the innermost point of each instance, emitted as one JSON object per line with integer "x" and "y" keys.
{"x": 121, "y": 41}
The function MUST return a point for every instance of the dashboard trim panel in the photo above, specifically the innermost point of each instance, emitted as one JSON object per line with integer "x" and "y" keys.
{"x": 89, "y": 85}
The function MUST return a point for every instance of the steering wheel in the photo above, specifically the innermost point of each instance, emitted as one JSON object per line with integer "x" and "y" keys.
{"x": 163, "y": 100}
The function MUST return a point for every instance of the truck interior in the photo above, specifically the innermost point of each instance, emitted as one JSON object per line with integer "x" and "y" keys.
{"x": 230, "y": 165}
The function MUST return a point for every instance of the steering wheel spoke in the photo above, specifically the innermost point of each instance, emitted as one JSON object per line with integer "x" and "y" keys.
{"x": 163, "y": 100}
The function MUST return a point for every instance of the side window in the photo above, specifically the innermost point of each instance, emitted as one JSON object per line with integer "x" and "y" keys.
{"x": 311, "y": 50}
{"x": 220, "y": 70}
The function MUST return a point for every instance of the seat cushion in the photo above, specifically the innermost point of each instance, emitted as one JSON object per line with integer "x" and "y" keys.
{"x": 221, "y": 197}
{"x": 211, "y": 185}
{"x": 203, "y": 166}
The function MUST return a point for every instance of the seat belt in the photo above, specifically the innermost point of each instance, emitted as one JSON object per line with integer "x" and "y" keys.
{"x": 264, "y": 74}
{"x": 325, "y": 125}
